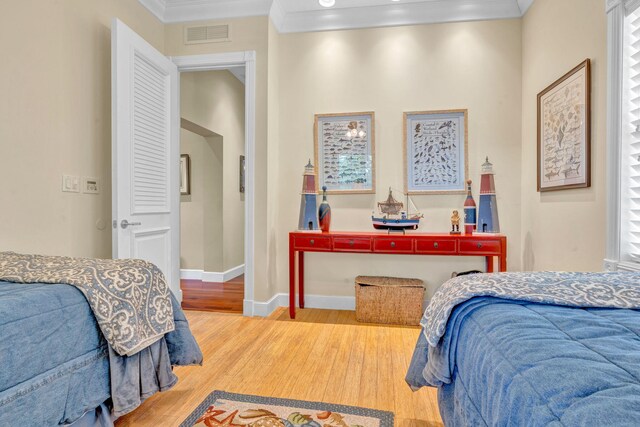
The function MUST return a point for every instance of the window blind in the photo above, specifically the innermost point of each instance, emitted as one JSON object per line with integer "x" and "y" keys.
{"x": 630, "y": 173}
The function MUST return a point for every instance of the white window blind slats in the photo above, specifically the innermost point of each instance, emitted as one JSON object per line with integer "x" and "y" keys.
{"x": 630, "y": 174}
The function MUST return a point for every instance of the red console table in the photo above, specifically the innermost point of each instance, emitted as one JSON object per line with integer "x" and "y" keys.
{"x": 488, "y": 246}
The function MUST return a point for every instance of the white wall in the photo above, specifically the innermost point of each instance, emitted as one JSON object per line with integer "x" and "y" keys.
{"x": 563, "y": 230}
{"x": 474, "y": 65}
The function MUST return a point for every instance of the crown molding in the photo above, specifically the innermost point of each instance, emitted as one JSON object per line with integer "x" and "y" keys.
{"x": 200, "y": 10}
{"x": 157, "y": 7}
{"x": 524, "y": 5}
{"x": 393, "y": 14}
{"x": 431, "y": 12}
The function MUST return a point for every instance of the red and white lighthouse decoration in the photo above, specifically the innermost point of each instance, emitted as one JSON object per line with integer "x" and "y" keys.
{"x": 488, "y": 213}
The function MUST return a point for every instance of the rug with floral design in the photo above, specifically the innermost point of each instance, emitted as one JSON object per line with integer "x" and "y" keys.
{"x": 240, "y": 410}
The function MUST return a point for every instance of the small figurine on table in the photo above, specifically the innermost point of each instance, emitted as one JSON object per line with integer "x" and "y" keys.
{"x": 455, "y": 223}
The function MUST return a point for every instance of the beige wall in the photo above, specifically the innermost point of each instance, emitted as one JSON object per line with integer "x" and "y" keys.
{"x": 55, "y": 111}
{"x": 563, "y": 230}
{"x": 214, "y": 100}
{"x": 192, "y": 206}
{"x": 247, "y": 34}
{"x": 201, "y": 238}
{"x": 474, "y": 65}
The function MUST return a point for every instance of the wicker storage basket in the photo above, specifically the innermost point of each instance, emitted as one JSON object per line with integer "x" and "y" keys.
{"x": 389, "y": 300}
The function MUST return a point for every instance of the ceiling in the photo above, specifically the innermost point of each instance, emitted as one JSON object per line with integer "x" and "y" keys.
{"x": 291, "y": 16}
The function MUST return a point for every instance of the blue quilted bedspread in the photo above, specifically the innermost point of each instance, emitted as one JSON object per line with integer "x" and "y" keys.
{"x": 55, "y": 364}
{"x": 517, "y": 363}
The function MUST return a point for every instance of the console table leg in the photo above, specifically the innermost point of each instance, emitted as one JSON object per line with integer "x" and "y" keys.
{"x": 489, "y": 264}
{"x": 503, "y": 263}
{"x": 301, "y": 277}
{"x": 292, "y": 282}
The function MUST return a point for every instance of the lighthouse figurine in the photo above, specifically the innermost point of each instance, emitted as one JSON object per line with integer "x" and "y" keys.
{"x": 308, "y": 208}
{"x": 488, "y": 213}
{"x": 469, "y": 212}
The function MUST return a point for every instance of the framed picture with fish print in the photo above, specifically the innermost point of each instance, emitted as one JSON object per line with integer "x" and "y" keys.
{"x": 345, "y": 152}
{"x": 435, "y": 152}
{"x": 564, "y": 131}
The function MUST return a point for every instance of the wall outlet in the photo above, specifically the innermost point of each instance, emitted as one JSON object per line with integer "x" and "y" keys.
{"x": 70, "y": 184}
{"x": 90, "y": 185}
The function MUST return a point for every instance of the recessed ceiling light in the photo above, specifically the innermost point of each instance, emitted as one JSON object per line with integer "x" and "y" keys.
{"x": 327, "y": 3}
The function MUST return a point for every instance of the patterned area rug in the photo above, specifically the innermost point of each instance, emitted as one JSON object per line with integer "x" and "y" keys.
{"x": 240, "y": 410}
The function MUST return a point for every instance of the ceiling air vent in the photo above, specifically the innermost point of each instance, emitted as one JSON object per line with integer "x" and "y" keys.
{"x": 206, "y": 34}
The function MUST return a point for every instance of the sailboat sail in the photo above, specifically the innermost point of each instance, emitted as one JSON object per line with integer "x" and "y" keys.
{"x": 390, "y": 206}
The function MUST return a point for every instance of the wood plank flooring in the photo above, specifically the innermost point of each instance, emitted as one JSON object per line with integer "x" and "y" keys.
{"x": 323, "y": 355}
{"x": 208, "y": 296}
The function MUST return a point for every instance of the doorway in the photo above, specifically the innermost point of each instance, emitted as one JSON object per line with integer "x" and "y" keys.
{"x": 227, "y": 61}
{"x": 212, "y": 141}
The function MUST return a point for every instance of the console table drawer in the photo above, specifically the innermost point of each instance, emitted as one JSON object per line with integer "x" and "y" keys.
{"x": 480, "y": 246}
{"x": 436, "y": 246}
{"x": 315, "y": 243}
{"x": 389, "y": 244}
{"x": 349, "y": 244}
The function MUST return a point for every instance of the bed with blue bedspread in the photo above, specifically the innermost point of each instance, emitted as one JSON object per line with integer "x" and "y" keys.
{"x": 57, "y": 367}
{"x": 533, "y": 349}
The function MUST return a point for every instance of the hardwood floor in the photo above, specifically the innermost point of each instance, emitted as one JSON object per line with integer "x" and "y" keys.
{"x": 207, "y": 296}
{"x": 323, "y": 355}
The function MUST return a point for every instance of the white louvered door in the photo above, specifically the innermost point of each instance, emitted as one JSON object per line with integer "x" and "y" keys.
{"x": 145, "y": 154}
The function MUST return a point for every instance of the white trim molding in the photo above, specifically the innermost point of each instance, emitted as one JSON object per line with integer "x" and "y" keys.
{"x": 212, "y": 276}
{"x": 291, "y": 17}
{"x": 223, "y": 61}
{"x": 264, "y": 309}
{"x": 326, "y": 302}
{"x": 615, "y": 37}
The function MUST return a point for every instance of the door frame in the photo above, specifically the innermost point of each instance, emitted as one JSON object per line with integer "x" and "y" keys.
{"x": 221, "y": 61}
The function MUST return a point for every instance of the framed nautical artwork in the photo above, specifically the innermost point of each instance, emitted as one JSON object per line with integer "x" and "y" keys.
{"x": 345, "y": 152}
{"x": 564, "y": 131}
{"x": 435, "y": 152}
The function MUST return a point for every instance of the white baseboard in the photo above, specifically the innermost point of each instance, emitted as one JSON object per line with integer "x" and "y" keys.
{"x": 264, "y": 309}
{"x": 191, "y": 274}
{"x": 212, "y": 276}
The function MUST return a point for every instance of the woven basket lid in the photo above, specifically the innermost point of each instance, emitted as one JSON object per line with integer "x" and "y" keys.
{"x": 389, "y": 281}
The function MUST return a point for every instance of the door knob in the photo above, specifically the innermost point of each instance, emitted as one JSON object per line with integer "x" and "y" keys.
{"x": 124, "y": 224}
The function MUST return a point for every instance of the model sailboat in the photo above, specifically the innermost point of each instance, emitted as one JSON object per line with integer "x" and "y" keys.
{"x": 391, "y": 215}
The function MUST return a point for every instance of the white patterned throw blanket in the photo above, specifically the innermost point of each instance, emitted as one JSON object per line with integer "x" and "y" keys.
{"x": 599, "y": 290}
{"x": 129, "y": 297}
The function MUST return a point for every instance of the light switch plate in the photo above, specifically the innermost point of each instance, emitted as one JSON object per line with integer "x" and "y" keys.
{"x": 70, "y": 184}
{"x": 90, "y": 185}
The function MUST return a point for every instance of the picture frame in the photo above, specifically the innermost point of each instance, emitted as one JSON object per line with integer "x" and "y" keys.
{"x": 435, "y": 151}
{"x": 242, "y": 173}
{"x": 564, "y": 131}
{"x": 185, "y": 175}
{"x": 344, "y": 146}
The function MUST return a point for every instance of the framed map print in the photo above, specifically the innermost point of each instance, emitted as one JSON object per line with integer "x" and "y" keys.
{"x": 564, "y": 131}
{"x": 435, "y": 152}
{"x": 345, "y": 152}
